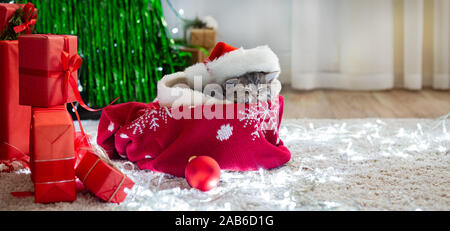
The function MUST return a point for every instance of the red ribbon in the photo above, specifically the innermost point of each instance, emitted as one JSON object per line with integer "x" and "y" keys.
{"x": 30, "y": 19}
{"x": 82, "y": 146}
{"x": 71, "y": 64}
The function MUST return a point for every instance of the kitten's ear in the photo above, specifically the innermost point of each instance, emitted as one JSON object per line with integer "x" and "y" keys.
{"x": 233, "y": 81}
{"x": 272, "y": 76}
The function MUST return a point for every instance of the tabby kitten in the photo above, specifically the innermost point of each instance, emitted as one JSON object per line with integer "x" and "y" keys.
{"x": 250, "y": 87}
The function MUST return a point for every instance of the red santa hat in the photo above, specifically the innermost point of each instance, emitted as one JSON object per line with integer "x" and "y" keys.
{"x": 224, "y": 63}
{"x": 219, "y": 50}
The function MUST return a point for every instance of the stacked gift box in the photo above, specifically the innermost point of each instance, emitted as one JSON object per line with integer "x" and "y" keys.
{"x": 48, "y": 80}
{"x": 44, "y": 70}
{"x": 39, "y": 77}
{"x": 14, "y": 118}
{"x": 52, "y": 155}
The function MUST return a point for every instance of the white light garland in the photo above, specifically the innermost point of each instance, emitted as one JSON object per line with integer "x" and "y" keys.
{"x": 291, "y": 187}
{"x": 336, "y": 165}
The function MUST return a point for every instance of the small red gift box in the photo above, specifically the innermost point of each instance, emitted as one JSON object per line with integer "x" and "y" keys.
{"x": 6, "y": 12}
{"x": 48, "y": 67}
{"x": 14, "y": 119}
{"x": 102, "y": 179}
{"x": 53, "y": 155}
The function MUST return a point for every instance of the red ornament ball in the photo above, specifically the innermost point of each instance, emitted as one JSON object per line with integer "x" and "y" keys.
{"x": 202, "y": 173}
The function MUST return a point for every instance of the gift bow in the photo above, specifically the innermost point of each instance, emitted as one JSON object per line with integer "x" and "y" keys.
{"x": 30, "y": 19}
{"x": 70, "y": 65}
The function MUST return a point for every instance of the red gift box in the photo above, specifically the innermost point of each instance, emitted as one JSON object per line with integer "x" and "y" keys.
{"x": 53, "y": 155}
{"x": 14, "y": 119}
{"x": 6, "y": 12}
{"x": 48, "y": 67}
{"x": 62, "y": 191}
{"x": 105, "y": 181}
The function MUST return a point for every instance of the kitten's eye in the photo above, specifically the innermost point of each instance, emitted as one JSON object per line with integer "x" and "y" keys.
{"x": 232, "y": 81}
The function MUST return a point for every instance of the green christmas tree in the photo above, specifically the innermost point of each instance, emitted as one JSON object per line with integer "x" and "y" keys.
{"x": 125, "y": 45}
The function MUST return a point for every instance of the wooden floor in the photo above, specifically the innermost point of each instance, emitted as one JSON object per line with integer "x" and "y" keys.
{"x": 350, "y": 104}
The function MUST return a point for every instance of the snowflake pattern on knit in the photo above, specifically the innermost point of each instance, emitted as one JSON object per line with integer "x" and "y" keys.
{"x": 262, "y": 116}
{"x": 150, "y": 120}
{"x": 111, "y": 127}
{"x": 225, "y": 132}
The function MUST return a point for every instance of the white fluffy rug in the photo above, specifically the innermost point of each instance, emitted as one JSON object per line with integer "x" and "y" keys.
{"x": 367, "y": 164}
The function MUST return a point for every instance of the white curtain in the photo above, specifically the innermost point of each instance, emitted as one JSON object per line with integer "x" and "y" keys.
{"x": 351, "y": 44}
{"x": 441, "y": 78}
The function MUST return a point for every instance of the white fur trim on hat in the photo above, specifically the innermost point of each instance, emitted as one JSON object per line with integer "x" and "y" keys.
{"x": 199, "y": 70}
{"x": 175, "y": 90}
